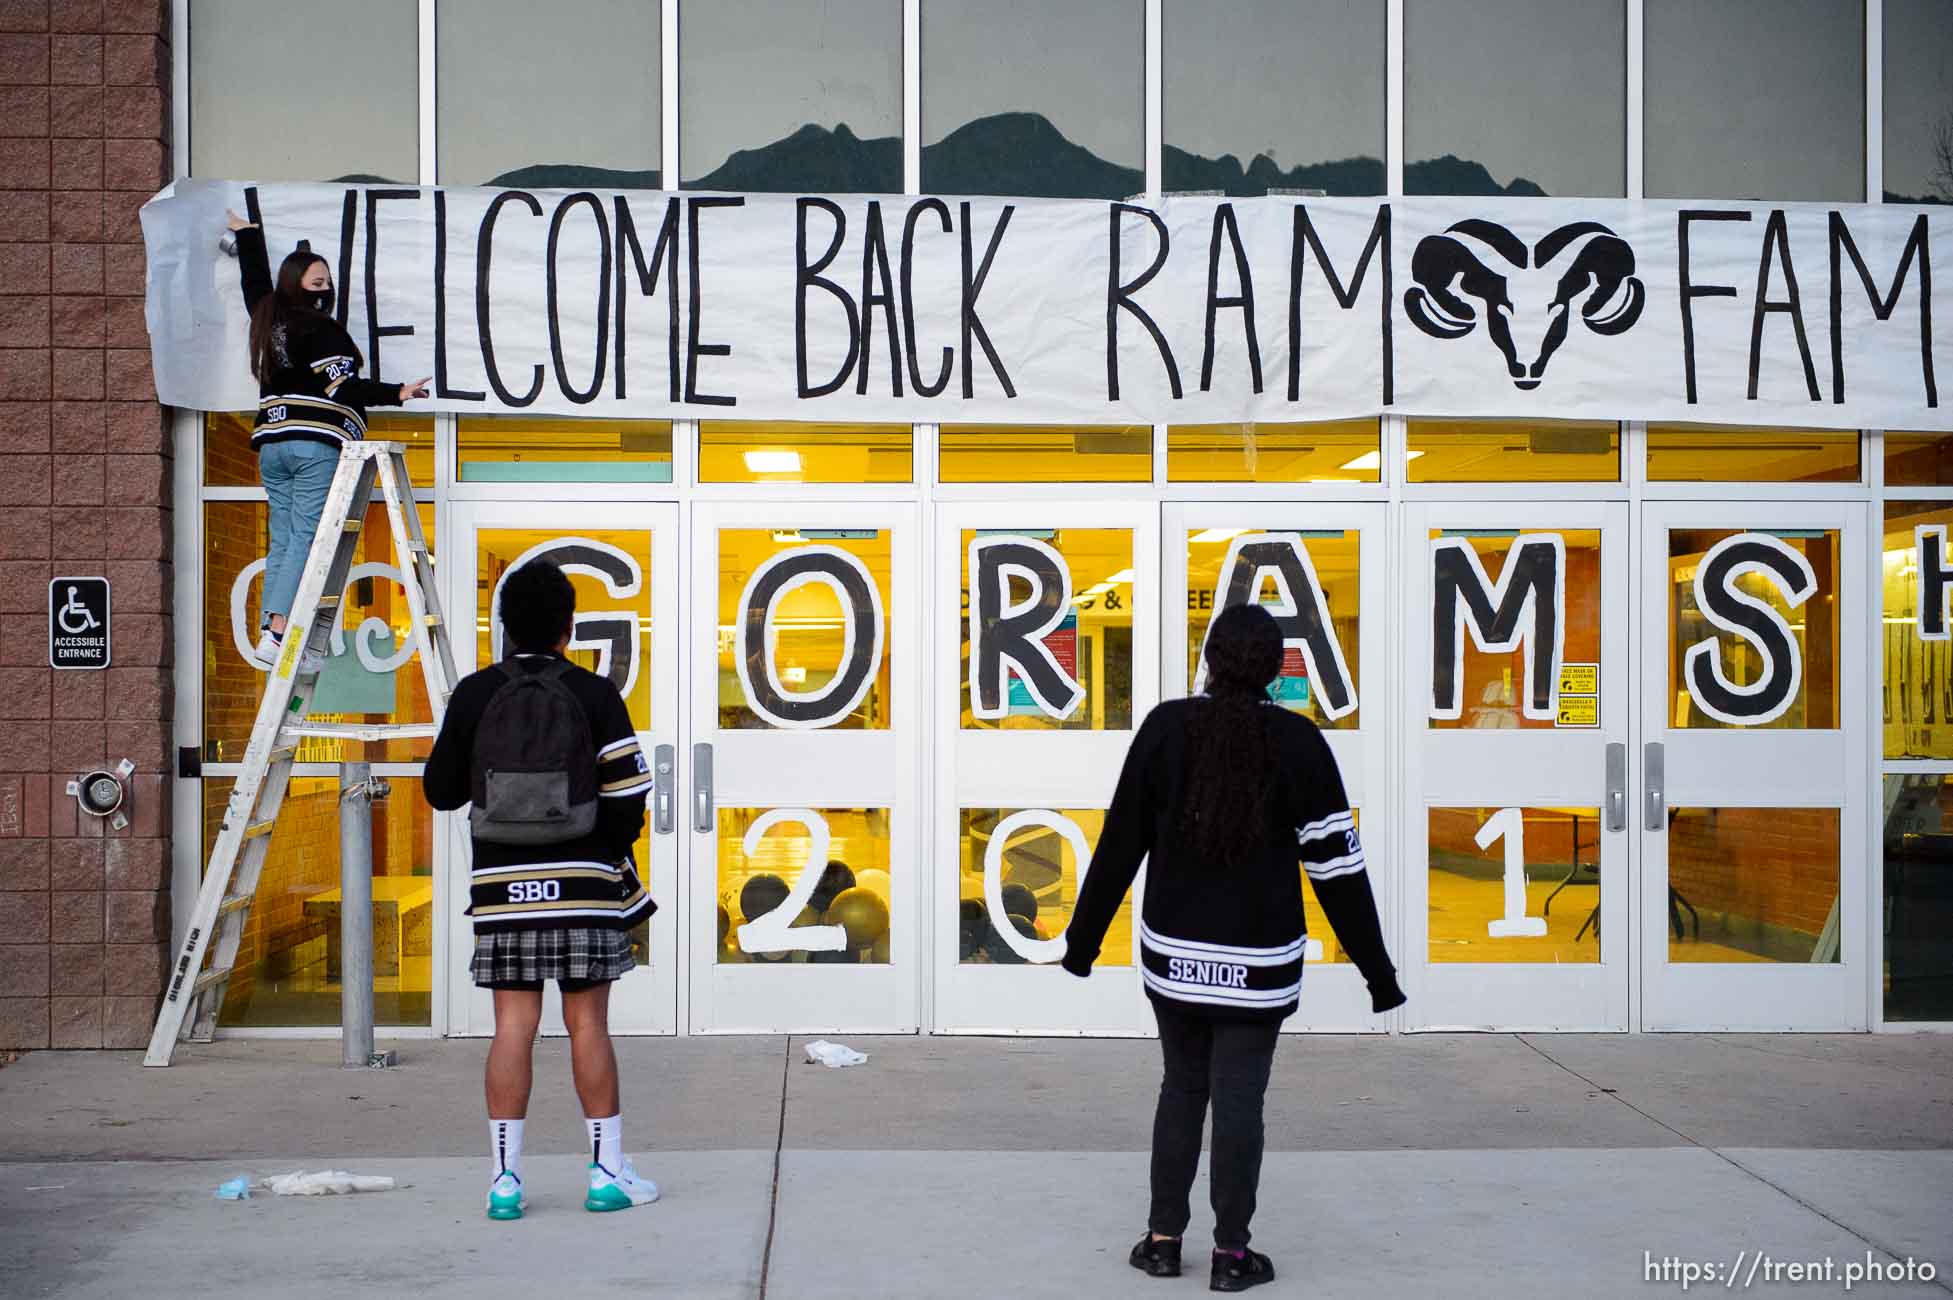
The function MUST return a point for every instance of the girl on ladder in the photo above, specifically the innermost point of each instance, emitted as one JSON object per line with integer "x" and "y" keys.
{"x": 311, "y": 402}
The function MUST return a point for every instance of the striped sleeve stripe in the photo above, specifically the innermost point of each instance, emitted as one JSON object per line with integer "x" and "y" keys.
{"x": 628, "y": 744}
{"x": 1343, "y": 866}
{"x": 636, "y": 785}
{"x": 1335, "y": 824}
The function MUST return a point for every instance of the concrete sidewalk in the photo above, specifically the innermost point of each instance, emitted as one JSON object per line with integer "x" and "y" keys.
{"x": 1513, "y": 1166}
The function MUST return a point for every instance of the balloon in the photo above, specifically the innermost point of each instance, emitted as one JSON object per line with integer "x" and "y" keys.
{"x": 862, "y": 913}
{"x": 1020, "y": 900}
{"x": 834, "y": 879}
{"x": 972, "y": 927}
{"x": 873, "y": 879}
{"x": 1001, "y": 952}
{"x": 761, "y": 895}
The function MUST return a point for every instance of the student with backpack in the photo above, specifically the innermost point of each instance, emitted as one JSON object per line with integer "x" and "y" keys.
{"x": 545, "y": 753}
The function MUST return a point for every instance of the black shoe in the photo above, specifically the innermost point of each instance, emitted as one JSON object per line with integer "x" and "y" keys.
{"x": 1238, "y": 1273}
{"x": 1156, "y": 1258}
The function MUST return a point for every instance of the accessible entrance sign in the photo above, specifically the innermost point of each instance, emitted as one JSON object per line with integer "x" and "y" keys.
{"x": 78, "y": 623}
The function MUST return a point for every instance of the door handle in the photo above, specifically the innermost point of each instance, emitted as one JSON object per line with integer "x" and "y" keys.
{"x": 1617, "y": 818}
{"x": 1655, "y": 797}
{"x": 664, "y": 764}
{"x": 702, "y": 786}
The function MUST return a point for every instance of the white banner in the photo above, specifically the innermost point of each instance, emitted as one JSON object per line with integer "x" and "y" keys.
{"x": 1188, "y": 310}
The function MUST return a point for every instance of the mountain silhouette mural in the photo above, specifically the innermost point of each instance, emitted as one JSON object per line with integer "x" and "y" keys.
{"x": 1017, "y": 154}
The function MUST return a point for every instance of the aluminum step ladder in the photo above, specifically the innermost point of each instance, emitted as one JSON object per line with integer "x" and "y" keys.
{"x": 195, "y": 993}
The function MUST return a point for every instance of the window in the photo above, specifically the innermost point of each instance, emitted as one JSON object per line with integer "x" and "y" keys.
{"x": 781, "y": 451}
{"x": 1918, "y": 115}
{"x": 1323, "y": 451}
{"x": 1519, "y": 97}
{"x": 1518, "y": 451}
{"x": 1755, "y": 99}
{"x": 263, "y": 101}
{"x": 1028, "y": 98}
{"x": 563, "y": 94}
{"x": 786, "y": 96}
{"x": 1005, "y": 453}
{"x": 1718, "y": 453}
{"x": 1273, "y": 95}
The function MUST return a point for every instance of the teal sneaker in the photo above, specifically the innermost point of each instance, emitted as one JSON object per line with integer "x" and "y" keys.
{"x": 618, "y": 1191}
{"x": 505, "y": 1199}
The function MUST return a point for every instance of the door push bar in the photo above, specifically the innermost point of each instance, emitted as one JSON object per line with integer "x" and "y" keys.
{"x": 664, "y": 763}
{"x": 1655, "y": 796}
{"x": 702, "y": 787}
{"x": 1617, "y": 818}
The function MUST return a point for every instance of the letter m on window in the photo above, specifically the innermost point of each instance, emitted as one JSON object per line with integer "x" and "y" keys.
{"x": 1525, "y": 609}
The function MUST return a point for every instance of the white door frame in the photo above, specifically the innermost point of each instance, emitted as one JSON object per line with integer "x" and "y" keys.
{"x": 984, "y": 768}
{"x": 646, "y": 1000}
{"x": 1517, "y": 768}
{"x": 1756, "y": 768}
{"x": 1334, "y": 996}
{"x": 806, "y": 769}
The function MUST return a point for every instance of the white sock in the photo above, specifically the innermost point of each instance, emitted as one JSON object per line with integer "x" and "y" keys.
{"x": 504, "y": 1147}
{"x": 607, "y": 1142}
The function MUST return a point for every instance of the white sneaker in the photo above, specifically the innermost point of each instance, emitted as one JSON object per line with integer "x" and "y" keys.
{"x": 505, "y": 1198}
{"x": 265, "y": 653}
{"x": 618, "y": 1191}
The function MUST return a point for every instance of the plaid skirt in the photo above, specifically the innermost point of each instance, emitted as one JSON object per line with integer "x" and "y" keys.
{"x": 578, "y": 953}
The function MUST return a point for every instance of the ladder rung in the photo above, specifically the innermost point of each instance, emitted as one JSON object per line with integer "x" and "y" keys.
{"x": 255, "y": 829}
{"x": 359, "y": 730}
{"x": 281, "y": 753}
{"x": 233, "y": 903}
{"x": 328, "y": 602}
{"x": 209, "y": 978}
{"x": 354, "y": 524}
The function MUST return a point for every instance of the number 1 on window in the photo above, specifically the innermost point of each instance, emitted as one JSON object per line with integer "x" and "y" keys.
{"x": 1507, "y": 824}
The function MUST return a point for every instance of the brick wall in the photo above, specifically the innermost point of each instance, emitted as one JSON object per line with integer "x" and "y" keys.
{"x": 84, "y": 488}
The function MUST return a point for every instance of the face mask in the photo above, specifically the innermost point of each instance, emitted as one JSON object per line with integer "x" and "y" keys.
{"x": 319, "y": 299}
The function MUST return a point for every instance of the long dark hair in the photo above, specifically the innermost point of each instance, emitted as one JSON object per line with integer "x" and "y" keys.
{"x": 276, "y": 309}
{"x": 1230, "y": 758}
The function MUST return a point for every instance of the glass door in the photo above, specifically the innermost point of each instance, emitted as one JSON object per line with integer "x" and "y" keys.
{"x": 1046, "y": 658}
{"x": 623, "y": 561}
{"x": 804, "y": 782}
{"x": 1514, "y": 817}
{"x": 1317, "y": 568}
{"x": 1753, "y": 787}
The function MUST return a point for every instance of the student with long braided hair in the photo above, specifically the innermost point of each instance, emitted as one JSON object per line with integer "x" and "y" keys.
{"x": 1223, "y": 794}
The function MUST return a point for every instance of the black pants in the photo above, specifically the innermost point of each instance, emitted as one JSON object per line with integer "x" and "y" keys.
{"x": 1227, "y": 1061}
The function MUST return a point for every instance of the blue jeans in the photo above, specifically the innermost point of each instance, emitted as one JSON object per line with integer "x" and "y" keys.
{"x": 296, "y": 477}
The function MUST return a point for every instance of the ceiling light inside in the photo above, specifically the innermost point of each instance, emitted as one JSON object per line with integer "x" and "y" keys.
{"x": 772, "y": 462}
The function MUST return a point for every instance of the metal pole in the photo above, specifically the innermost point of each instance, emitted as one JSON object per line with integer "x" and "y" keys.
{"x": 356, "y": 913}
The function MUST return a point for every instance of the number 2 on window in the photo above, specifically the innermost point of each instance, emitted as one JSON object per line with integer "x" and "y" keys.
{"x": 773, "y": 931}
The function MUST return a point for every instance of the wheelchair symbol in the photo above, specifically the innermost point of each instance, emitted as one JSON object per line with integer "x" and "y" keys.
{"x": 74, "y": 617}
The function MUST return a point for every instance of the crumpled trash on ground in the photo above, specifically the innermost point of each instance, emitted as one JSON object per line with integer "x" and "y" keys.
{"x": 833, "y": 1055}
{"x": 236, "y": 1189}
{"x": 326, "y": 1182}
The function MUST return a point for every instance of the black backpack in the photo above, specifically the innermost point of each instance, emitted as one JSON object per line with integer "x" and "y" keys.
{"x": 535, "y": 768}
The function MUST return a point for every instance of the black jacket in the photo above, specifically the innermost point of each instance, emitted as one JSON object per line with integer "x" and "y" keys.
{"x": 1227, "y": 942}
{"x": 313, "y": 390}
{"x": 586, "y": 882}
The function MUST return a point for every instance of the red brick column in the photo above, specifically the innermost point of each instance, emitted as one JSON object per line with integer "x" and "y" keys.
{"x": 84, "y": 489}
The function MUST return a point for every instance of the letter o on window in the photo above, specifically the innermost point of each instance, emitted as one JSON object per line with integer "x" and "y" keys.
{"x": 862, "y": 635}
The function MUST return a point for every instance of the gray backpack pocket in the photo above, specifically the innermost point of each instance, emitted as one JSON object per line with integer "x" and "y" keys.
{"x": 530, "y": 808}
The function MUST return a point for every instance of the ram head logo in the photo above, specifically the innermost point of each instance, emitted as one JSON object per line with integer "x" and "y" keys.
{"x": 1479, "y": 268}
